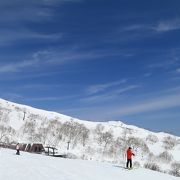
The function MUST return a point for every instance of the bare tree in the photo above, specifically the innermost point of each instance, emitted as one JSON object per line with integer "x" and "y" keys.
{"x": 29, "y": 129}
{"x": 4, "y": 115}
{"x": 54, "y": 133}
{"x": 99, "y": 133}
{"x": 152, "y": 139}
{"x": 85, "y": 135}
{"x": 165, "y": 157}
{"x": 175, "y": 169}
{"x": 169, "y": 142}
{"x": 107, "y": 137}
{"x": 6, "y": 133}
{"x": 69, "y": 131}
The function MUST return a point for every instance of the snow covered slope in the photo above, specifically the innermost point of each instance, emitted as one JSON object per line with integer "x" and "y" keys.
{"x": 99, "y": 141}
{"x": 31, "y": 166}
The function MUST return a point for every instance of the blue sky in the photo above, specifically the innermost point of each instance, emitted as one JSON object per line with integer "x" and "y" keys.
{"x": 96, "y": 60}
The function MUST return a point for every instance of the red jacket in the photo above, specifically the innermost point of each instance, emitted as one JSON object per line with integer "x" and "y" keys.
{"x": 129, "y": 154}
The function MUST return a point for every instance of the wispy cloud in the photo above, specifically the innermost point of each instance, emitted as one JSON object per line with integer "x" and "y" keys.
{"x": 15, "y": 67}
{"x": 149, "y": 106}
{"x": 162, "y": 26}
{"x": 11, "y": 96}
{"x": 112, "y": 94}
{"x": 40, "y": 86}
{"x": 178, "y": 70}
{"x": 112, "y": 112}
{"x": 176, "y": 79}
{"x": 148, "y": 103}
{"x": 16, "y": 15}
{"x": 9, "y": 37}
{"x": 56, "y": 57}
{"x": 30, "y": 13}
{"x": 136, "y": 28}
{"x": 138, "y": 31}
{"x": 170, "y": 59}
{"x": 175, "y": 75}
{"x": 54, "y": 2}
{"x": 45, "y": 99}
{"x": 169, "y": 25}
{"x": 93, "y": 89}
{"x": 40, "y": 58}
{"x": 147, "y": 74}
{"x": 20, "y": 10}
{"x": 51, "y": 98}
{"x": 162, "y": 64}
{"x": 30, "y": 75}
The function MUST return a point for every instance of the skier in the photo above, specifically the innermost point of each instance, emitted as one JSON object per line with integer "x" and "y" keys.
{"x": 129, "y": 158}
{"x": 17, "y": 149}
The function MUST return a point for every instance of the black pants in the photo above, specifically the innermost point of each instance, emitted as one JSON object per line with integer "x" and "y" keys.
{"x": 18, "y": 153}
{"x": 129, "y": 161}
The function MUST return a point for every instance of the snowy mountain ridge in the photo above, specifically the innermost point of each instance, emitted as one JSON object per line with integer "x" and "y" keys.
{"x": 100, "y": 141}
{"x": 50, "y": 114}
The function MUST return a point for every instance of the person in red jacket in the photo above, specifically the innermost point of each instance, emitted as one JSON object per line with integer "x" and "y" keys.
{"x": 129, "y": 157}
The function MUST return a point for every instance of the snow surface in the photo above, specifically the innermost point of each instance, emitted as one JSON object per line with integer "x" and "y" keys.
{"x": 16, "y": 116}
{"x": 40, "y": 167}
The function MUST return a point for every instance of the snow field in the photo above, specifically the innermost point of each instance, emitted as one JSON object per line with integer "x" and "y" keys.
{"x": 40, "y": 167}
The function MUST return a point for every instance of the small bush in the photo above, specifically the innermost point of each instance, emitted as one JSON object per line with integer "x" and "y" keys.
{"x": 175, "y": 169}
{"x": 145, "y": 148}
{"x": 165, "y": 156}
{"x": 152, "y": 166}
{"x": 71, "y": 156}
{"x": 152, "y": 139}
{"x": 169, "y": 142}
{"x": 132, "y": 141}
{"x": 151, "y": 157}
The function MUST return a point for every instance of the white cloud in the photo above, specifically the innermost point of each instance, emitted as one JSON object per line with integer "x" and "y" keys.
{"x": 51, "y": 98}
{"x": 41, "y": 86}
{"x": 11, "y": 96}
{"x": 108, "y": 111}
{"x": 38, "y": 59}
{"x": 164, "y": 64}
{"x": 15, "y": 67}
{"x": 9, "y": 37}
{"x": 165, "y": 26}
{"x": 62, "y": 57}
{"x": 17, "y": 11}
{"x": 16, "y": 14}
{"x": 148, "y": 106}
{"x": 147, "y": 74}
{"x": 135, "y": 28}
{"x": 102, "y": 87}
{"x": 56, "y": 57}
{"x": 162, "y": 100}
{"x": 112, "y": 94}
{"x": 178, "y": 70}
{"x": 54, "y": 2}
{"x": 137, "y": 31}
{"x": 44, "y": 99}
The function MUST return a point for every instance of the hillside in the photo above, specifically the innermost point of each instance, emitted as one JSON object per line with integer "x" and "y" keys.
{"x": 31, "y": 166}
{"x": 100, "y": 141}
